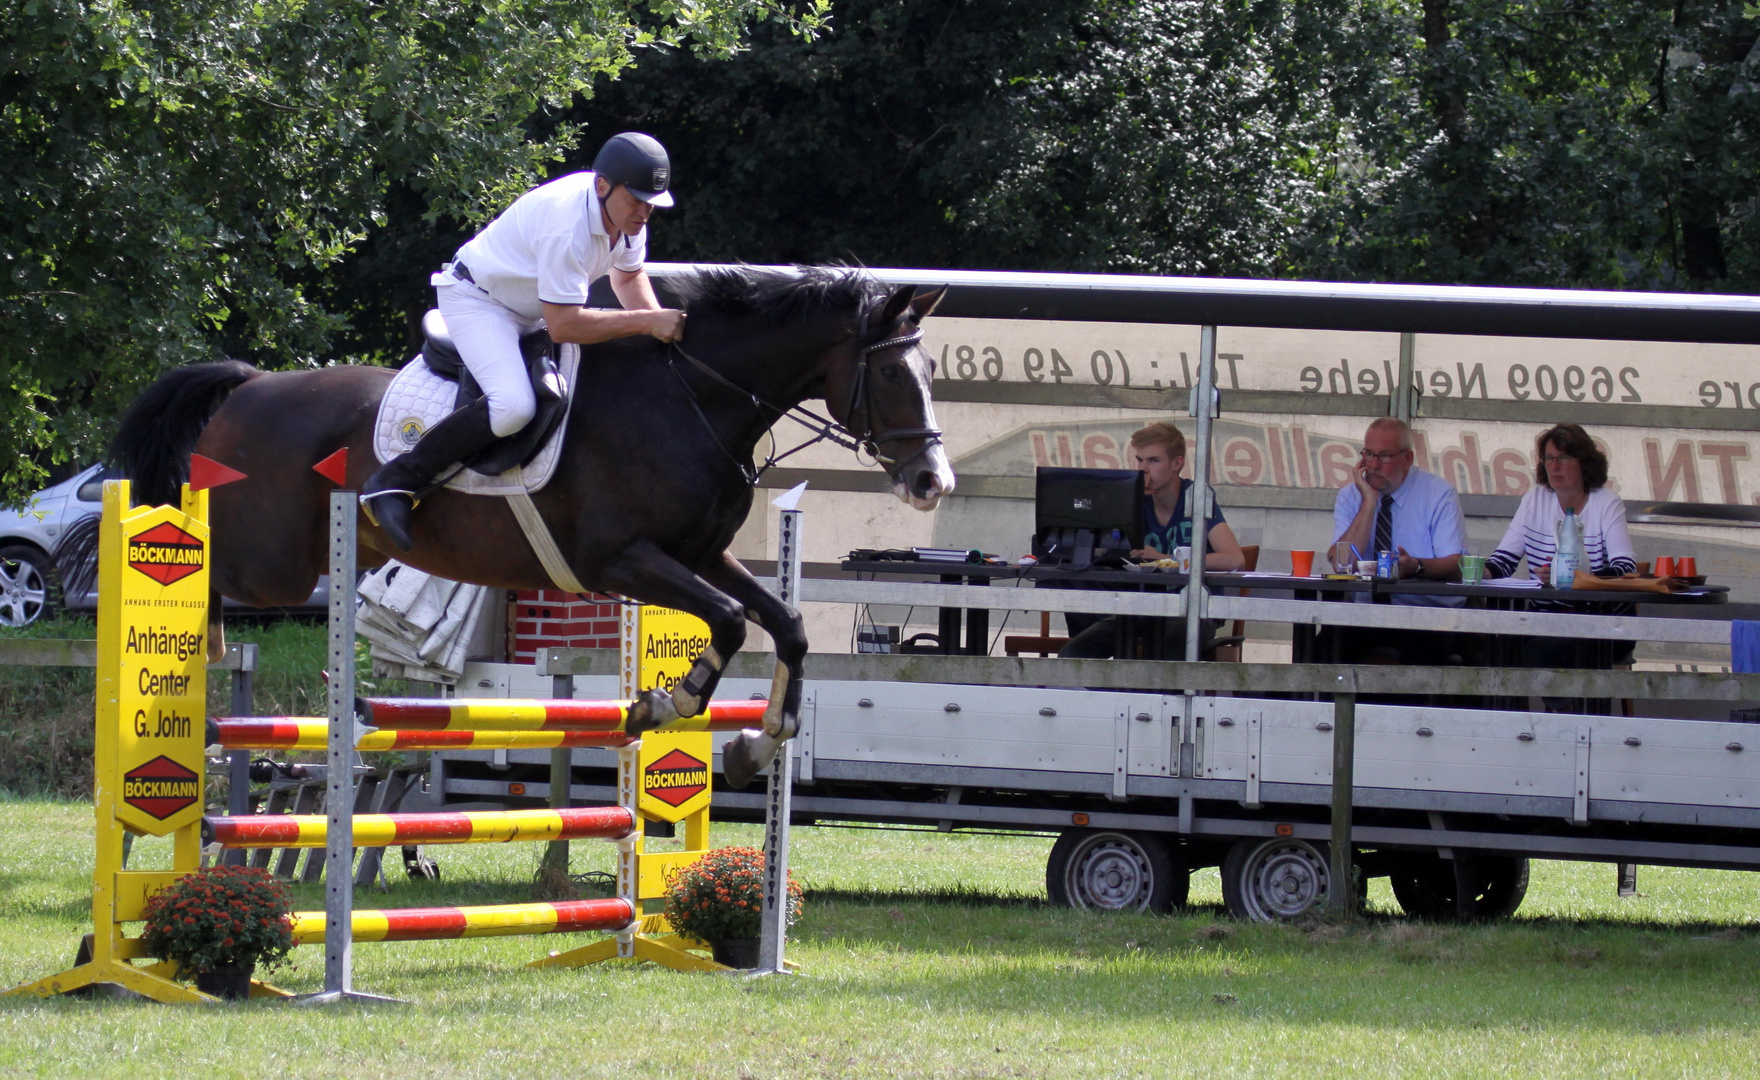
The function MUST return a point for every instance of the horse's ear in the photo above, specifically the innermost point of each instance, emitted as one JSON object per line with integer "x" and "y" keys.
{"x": 896, "y": 303}
{"x": 923, "y": 304}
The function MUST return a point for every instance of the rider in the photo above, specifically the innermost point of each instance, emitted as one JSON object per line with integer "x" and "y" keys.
{"x": 532, "y": 267}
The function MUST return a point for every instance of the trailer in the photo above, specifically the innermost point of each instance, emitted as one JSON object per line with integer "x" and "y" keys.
{"x": 1286, "y": 776}
{"x": 1449, "y": 804}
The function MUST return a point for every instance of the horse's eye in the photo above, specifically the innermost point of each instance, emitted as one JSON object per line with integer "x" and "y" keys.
{"x": 890, "y": 372}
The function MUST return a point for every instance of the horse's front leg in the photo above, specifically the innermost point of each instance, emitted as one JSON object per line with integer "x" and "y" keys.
{"x": 654, "y": 577}
{"x": 751, "y": 752}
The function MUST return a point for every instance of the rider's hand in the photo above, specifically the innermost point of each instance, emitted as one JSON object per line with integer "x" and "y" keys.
{"x": 667, "y": 324}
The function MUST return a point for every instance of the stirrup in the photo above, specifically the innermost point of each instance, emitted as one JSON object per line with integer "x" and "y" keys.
{"x": 366, "y": 501}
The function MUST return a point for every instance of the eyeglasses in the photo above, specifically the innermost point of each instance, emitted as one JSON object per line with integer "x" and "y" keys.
{"x": 1558, "y": 459}
{"x": 1383, "y": 456}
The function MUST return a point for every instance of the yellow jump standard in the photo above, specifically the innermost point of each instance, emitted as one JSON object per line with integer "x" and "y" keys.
{"x": 152, "y": 695}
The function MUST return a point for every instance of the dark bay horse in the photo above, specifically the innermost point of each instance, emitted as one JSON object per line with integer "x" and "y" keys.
{"x": 653, "y": 482}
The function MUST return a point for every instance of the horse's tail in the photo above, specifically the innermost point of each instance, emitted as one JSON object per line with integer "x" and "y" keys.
{"x": 160, "y": 430}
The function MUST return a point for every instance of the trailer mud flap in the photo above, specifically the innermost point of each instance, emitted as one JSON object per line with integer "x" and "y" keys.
{"x": 1121, "y": 754}
{"x": 1255, "y": 742}
{"x": 1580, "y": 801}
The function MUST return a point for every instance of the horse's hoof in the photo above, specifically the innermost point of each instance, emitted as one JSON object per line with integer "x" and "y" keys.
{"x": 780, "y": 725}
{"x": 653, "y": 709}
{"x": 740, "y": 763}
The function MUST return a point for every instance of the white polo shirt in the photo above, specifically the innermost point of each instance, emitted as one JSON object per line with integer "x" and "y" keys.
{"x": 549, "y": 246}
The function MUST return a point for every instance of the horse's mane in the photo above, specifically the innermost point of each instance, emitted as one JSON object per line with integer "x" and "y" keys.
{"x": 777, "y": 295}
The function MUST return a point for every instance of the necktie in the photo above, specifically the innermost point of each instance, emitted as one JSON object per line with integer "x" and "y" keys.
{"x": 1384, "y": 525}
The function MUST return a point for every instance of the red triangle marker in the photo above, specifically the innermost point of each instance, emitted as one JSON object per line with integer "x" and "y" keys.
{"x": 207, "y": 473}
{"x": 334, "y": 468}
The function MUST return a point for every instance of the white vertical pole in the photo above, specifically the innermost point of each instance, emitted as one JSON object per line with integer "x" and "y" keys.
{"x": 1200, "y": 500}
{"x": 1197, "y": 597}
{"x": 339, "y": 762}
{"x": 780, "y": 796}
{"x": 340, "y": 756}
{"x": 629, "y": 642}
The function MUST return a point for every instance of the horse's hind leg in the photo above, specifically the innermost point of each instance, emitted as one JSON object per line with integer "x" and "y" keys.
{"x": 751, "y": 752}
{"x": 216, "y": 627}
{"x": 654, "y": 577}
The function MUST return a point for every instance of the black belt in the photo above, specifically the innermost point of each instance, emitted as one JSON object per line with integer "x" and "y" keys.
{"x": 461, "y": 270}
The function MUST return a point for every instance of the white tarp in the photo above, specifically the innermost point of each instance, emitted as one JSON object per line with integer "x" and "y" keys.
{"x": 420, "y": 626}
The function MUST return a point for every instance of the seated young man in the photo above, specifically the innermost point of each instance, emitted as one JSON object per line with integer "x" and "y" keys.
{"x": 1160, "y": 452}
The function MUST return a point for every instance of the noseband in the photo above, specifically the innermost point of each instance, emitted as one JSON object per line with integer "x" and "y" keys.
{"x": 861, "y": 403}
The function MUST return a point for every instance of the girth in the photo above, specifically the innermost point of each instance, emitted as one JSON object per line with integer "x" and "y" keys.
{"x": 539, "y": 354}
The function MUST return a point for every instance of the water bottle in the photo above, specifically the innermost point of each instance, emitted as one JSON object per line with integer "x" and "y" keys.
{"x": 1569, "y": 559}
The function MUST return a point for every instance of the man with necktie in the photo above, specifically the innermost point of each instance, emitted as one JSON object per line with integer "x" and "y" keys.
{"x": 1391, "y": 505}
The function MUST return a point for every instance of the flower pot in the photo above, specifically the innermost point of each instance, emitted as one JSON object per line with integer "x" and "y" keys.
{"x": 228, "y": 982}
{"x": 736, "y": 952}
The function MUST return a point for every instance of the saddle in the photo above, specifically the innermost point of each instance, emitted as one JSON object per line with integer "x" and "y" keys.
{"x": 539, "y": 353}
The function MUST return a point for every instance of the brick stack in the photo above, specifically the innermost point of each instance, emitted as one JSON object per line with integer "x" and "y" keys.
{"x": 551, "y": 618}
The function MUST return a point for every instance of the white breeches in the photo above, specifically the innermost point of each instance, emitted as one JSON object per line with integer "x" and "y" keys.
{"x": 487, "y": 336}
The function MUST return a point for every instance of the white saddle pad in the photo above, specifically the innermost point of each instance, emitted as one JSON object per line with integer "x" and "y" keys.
{"x": 418, "y": 399}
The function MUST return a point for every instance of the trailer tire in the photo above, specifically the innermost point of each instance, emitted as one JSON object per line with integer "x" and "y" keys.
{"x": 1424, "y": 885}
{"x": 1115, "y": 870}
{"x": 1274, "y": 880}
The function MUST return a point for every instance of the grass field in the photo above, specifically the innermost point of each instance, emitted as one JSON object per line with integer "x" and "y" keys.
{"x": 931, "y": 955}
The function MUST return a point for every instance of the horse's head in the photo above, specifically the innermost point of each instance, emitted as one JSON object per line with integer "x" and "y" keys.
{"x": 879, "y": 392}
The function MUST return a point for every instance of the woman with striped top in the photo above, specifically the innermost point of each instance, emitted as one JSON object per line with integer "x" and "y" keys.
{"x": 1571, "y": 474}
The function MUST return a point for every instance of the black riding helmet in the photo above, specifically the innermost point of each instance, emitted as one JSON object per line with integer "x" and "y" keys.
{"x": 639, "y": 163}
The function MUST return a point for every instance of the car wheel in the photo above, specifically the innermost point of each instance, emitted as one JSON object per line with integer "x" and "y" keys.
{"x": 1274, "y": 880}
{"x": 1424, "y": 885}
{"x": 25, "y": 575}
{"x": 1115, "y": 871}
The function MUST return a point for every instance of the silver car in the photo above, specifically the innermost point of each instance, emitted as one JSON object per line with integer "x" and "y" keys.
{"x": 29, "y": 537}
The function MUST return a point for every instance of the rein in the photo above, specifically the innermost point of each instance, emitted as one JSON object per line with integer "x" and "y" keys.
{"x": 824, "y": 428}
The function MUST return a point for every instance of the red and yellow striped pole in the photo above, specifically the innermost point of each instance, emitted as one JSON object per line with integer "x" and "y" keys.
{"x": 500, "y": 920}
{"x": 386, "y": 830}
{"x": 498, "y": 714}
{"x": 311, "y": 732}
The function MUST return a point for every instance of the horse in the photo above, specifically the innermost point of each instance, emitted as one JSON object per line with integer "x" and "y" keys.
{"x": 654, "y": 478}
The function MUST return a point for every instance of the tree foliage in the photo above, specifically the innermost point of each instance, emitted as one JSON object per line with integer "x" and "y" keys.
{"x": 274, "y": 180}
{"x": 1159, "y": 136}
{"x": 1558, "y": 142}
{"x": 182, "y": 177}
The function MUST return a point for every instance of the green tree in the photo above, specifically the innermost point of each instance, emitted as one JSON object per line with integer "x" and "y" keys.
{"x": 1558, "y": 143}
{"x": 182, "y": 177}
{"x": 1153, "y": 136}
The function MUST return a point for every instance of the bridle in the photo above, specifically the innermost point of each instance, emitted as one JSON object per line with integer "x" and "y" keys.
{"x": 861, "y": 401}
{"x": 824, "y": 428}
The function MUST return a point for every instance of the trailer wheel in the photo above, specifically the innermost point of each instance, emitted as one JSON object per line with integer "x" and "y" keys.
{"x": 1424, "y": 885}
{"x": 1115, "y": 871}
{"x": 1272, "y": 880}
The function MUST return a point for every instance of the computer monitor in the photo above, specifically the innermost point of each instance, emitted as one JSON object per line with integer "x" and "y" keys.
{"x": 1084, "y": 516}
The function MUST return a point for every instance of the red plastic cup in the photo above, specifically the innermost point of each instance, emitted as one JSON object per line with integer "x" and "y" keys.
{"x": 1686, "y": 566}
{"x": 1664, "y": 566}
{"x": 1301, "y": 563}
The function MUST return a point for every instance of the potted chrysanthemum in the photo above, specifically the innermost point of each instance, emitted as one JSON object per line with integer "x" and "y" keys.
{"x": 218, "y": 925}
{"x": 719, "y": 899}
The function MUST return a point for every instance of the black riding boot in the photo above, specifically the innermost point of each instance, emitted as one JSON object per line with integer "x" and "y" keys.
{"x": 392, "y": 492}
